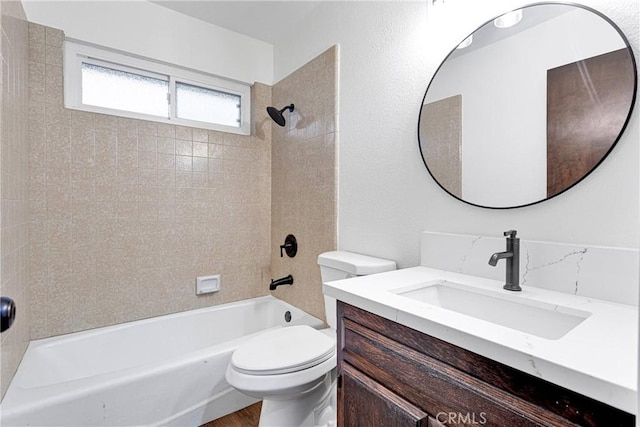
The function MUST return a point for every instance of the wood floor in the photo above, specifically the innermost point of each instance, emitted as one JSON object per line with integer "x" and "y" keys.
{"x": 247, "y": 417}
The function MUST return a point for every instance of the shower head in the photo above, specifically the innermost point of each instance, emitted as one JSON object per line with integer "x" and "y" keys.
{"x": 276, "y": 114}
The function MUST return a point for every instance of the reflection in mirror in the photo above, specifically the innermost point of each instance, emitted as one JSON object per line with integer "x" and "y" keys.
{"x": 524, "y": 113}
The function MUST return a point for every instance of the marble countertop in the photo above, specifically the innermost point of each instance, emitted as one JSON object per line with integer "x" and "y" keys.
{"x": 597, "y": 358}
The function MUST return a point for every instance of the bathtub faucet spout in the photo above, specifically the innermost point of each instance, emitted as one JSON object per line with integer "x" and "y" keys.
{"x": 288, "y": 280}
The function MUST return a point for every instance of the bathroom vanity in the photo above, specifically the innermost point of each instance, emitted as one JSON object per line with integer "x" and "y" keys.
{"x": 394, "y": 375}
{"x": 431, "y": 346}
{"x": 552, "y": 339}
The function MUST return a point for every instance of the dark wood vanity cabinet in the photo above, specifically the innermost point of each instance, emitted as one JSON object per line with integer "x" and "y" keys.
{"x": 392, "y": 375}
{"x": 383, "y": 407}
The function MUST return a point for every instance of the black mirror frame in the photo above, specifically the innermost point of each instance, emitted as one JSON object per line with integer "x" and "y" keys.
{"x": 615, "y": 142}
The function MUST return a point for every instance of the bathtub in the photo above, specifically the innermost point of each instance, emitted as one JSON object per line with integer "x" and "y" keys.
{"x": 164, "y": 371}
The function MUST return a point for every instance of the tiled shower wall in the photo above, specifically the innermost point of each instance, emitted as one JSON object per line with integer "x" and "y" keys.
{"x": 303, "y": 193}
{"x": 14, "y": 176}
{"x": 126, "y": 213}
{"x": 123, "y": 214}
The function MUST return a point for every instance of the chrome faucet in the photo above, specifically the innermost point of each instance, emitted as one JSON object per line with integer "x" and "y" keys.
{"x": 512, "y": 257}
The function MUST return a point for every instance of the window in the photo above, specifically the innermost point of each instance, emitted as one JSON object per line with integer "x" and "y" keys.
{"x": 104, "y": 81}
{"x": 206, "y": 105}
{"x": 108, "y": 87}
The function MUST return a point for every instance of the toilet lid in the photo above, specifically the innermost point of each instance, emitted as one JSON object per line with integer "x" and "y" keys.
{"x": 283, "y": 350}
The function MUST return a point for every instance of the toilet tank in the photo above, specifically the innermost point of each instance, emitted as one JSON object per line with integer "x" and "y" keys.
{"x": 338, "y": 265}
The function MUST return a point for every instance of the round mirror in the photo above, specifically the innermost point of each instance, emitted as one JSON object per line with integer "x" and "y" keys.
{"x": 527, "y": 105}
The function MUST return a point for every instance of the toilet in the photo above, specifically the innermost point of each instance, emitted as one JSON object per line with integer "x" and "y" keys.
{"x": 293, "y": 369}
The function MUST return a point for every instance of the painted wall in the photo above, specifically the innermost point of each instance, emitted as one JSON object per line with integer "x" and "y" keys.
{"x": 389, "y": 52}
{"x": 14, "y": 174}
{"x": 153, "y": 31}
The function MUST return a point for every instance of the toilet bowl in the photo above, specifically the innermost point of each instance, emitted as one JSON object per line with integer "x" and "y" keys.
{"x": 293, "y": 369}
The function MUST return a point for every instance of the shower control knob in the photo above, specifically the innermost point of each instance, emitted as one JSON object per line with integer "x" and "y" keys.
{"x": 7, "y": 313}
{"x": 290, "y": 246}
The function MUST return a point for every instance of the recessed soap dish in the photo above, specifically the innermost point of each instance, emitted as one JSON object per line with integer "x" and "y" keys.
{"x": 207, "y": 284}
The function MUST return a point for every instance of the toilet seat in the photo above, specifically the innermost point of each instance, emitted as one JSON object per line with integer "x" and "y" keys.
{"x": 282, "y": 351}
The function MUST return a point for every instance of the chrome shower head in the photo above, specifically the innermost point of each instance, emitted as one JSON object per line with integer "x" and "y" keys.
{"x": 276, "y": 114}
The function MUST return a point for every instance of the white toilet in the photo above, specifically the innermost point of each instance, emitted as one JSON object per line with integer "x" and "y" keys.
{"x": 293, "y": 369}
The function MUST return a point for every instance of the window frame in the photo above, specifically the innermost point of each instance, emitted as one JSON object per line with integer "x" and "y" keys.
{"x": 75, "y": 53}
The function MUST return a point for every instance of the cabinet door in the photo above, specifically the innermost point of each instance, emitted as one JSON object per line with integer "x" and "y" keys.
{"x": 368, "y": 403}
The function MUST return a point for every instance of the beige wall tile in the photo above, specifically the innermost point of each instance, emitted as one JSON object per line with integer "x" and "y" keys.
{"x": 147, "y": 128}
{"x": 200, "y": 164}
{"x": 200, "y": 149}
{"x": 184, "y": 148}
{"x": 184, "y": 163}
{"x": 166, "y": 161}
{"x": 15, "y": 265}
{"x": 130, "y": 205}
{"x": 166, "y": 145}
{"x": 146, "y": 142}
{"x": 303, "y": 194}
{"x": 166, "y": 131}
{"x": 184, "y": 133}
{"x": 53, "y": 37}
{"x": 147, "y": 160}
{"x": 200, "y": 135}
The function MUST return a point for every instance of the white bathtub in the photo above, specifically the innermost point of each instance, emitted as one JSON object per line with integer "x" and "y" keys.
{"x": 164, "y": 371}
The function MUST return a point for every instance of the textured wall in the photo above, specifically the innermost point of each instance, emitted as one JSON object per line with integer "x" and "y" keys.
{"x": 304, "y": 185}
{"x": 388, "y": 54}
{"x": 126, "y": 213}
{"x": 14, "y": 175}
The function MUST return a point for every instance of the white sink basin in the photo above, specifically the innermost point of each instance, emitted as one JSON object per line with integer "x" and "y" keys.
{"x": 502, "y": 308}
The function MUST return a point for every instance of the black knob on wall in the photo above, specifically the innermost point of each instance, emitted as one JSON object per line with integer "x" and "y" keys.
{"x": 7, "y": 313}
{"x": 290, "y": 246}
